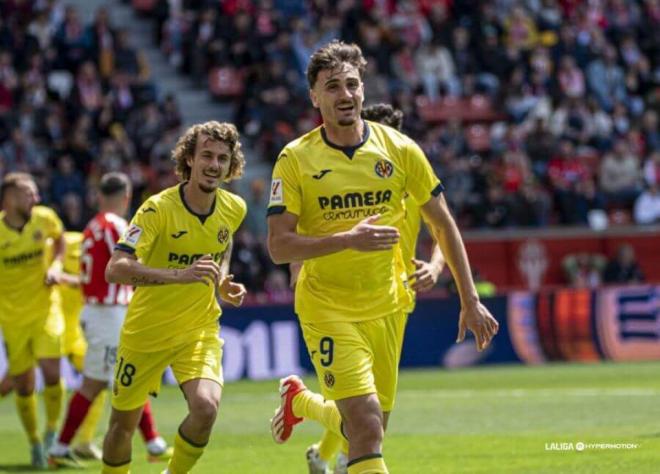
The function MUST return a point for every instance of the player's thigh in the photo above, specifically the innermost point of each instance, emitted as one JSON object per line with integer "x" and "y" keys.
{"x": 136, "y": 376}
{"x": 201, "y": 358}
{"x": 47, "y": 340}
{"x": 102, "y": 326}
{"x": 342, "y": 359}
{"x": 385, "y": 336}
{"x": 18, "y": 346}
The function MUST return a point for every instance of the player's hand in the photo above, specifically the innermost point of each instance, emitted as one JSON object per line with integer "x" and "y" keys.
{"x": 231, "y": 292}
{"x": 53, "y": 274}
{"x": 367, "y": 237}
{"x": 477, "y": 319}
{"x": 425, "y": 276}
{"x": 204, "y": 270}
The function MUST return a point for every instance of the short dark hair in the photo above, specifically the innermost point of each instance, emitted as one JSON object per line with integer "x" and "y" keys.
{"x": 114, "y": 183}
{"x": 12, "y": 180}
{"x": 385, "y": 114}
{"x": 331, "y": 56}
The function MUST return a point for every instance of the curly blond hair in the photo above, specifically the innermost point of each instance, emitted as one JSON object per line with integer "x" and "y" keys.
{"x": 222, "y": 132}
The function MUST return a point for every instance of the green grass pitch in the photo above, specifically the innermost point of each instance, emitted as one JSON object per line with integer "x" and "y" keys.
{"x": 502, "y": 419}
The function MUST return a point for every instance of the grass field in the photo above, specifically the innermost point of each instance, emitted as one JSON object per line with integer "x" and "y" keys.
{"x": 482, "y": 420}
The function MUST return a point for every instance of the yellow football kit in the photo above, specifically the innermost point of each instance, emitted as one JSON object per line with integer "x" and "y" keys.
{"x": 30, "y": 329}
{"x": 176, "y": 324}
{"x": 69, "y": 300}
{"x": 330, "y": 189}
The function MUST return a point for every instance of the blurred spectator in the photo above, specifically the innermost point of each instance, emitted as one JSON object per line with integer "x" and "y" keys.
{"x": 66, "y": 180}
{"x": 647, "y": 206}
{"x": 623, "y": 268}
{"x": 620, "y": 175}
{"x": 71, "y": 212}
{"x": 584, "y": 270}
{"x": 257, "y": 202}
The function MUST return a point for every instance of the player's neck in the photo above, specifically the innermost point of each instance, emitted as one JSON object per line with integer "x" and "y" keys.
{"x": 197, "y": 200}
{"x": 14, "y": 221}
{"x": 345, "y": 136}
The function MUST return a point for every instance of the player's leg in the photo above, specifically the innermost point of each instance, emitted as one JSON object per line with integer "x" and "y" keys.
{"x": 320, "y": 455}
{"x": 197, "y": 368}
{"x": 84, "y": 446}
{"x": 117, "y": 443}
{"x": 157, "y": 448}
{"x": 136, "y": 375}
{"x": 53, "y": 395}
{"x": 59, "y": 453}
{"x": 18, "y": 342}
{"x": 47, "y": 346}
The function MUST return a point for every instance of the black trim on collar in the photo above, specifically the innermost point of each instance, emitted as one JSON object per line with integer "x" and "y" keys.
{"x": 349, "y": 151}
{"x": 202, "y": 217}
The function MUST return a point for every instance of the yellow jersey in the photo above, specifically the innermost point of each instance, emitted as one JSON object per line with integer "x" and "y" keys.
{"x": 23, "y": 265}
{"x": 330, "y": 189}
{"x": 165, "y": 233}
{"x": 409, "y": 230}
{"x": 72, "y": 297}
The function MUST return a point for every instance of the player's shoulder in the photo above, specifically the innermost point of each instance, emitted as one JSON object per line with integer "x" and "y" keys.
{"x": 298, "y": 148}
{"x": 166, "y": 198}
{"x": 44, "y": 212}
{"x": 232, "y": 202}
{"x": 388, "y": 135}
{"x": 114, "y": 220}
{"x": 73, "y": 238}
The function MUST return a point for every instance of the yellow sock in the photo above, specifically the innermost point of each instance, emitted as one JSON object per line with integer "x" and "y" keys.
{"x": 53, "y": 396}
{"x": 344, "y": 446}
{"x": 27, "y": 412}
{"x": 185, "y": 455}
{"x": 312, "y": 405}
{"x": 371, "y": 464}
{"x": 87, "y": 430}
{"x": 329, "y": 445}
{"x": 122, "y": 469}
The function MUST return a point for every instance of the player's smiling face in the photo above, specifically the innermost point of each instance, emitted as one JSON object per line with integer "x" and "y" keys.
{"x": 210, "y": 164}
{"x": 338, "y": 94}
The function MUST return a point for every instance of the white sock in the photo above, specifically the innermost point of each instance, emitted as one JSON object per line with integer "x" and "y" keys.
{"x": 59, "y": 449}
{"x": 156, "y": 445}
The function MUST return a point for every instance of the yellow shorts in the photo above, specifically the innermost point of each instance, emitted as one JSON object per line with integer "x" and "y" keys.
{"x": 139, "y": 374}
{"x": 25, "y": 345}
{"x": 353, "y": 359}
{"x": 75, "y": 345}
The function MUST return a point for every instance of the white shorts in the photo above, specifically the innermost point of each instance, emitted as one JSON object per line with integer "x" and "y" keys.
{"x": 102, "y": 326}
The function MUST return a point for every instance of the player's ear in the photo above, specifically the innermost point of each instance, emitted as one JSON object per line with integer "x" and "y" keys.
{"x": 312, "y": 97}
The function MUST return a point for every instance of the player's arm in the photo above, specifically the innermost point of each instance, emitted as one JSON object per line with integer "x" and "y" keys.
{"x": 124, "y": 268}
{"x": 474, "y": 315}
{"x": 229, "y": 290}
{"x": 70, "y": 279}
{"x": 54, "y": 272}
{"x": 285, "y": 245}
{"x": 427, "y": 273}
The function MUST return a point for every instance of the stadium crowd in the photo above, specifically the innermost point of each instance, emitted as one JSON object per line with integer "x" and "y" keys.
{"x": 533, "y": 112}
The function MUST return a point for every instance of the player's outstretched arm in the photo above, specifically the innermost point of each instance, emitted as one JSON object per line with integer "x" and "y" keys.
{"x": 474, "y": 315}
{"x": 54, "y": 272}
{"x": 285, "y": 245}
{"x": 124, "y": 268}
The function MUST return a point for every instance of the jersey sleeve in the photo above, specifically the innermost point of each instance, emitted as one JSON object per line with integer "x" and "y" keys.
{"x": 142, "y": 231}
{"x": 285, "y": 194}
{"x": 421, "y": 181}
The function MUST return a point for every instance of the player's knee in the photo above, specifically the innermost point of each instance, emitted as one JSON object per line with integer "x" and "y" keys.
{"x": 120, "y": 430}
{"x": 365, "y": 430}
{"x": 205, "y": 408}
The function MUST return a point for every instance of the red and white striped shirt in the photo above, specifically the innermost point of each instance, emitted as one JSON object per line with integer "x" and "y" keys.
{"x": 99, "y": 238}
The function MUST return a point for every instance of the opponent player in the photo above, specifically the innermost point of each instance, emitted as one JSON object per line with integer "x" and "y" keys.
{"x": 336, "y": 201}
{"x": 32, "y": 331}
{"x": 172, "y": 253}
{"x": 421, "y": 276}
{"x": 103, "y": 314}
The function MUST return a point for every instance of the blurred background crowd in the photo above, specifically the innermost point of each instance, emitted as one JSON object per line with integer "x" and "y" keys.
{"x": 534, "y": 113}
